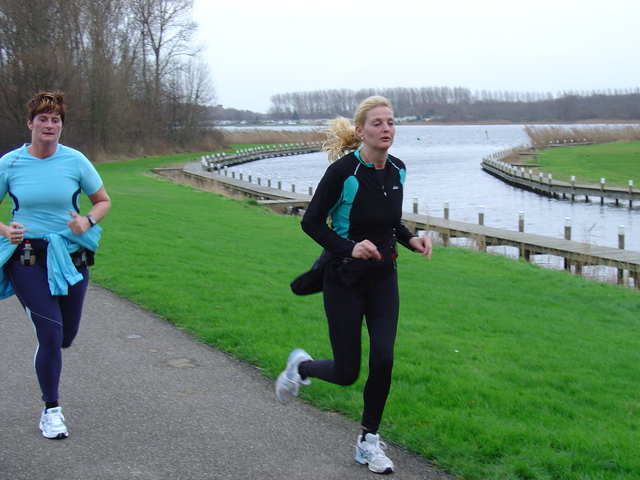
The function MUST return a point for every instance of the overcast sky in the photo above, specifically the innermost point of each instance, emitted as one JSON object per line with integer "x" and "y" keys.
{"x": 259, "y": 48}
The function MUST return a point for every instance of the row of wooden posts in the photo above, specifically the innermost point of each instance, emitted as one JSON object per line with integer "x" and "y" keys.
{"x": 521, "y": 177}
{"x": 268, "y": 182}
{"x": 521, "y": 222}
{"x": 567, "y": 222}
{"x": 217, "y": 161}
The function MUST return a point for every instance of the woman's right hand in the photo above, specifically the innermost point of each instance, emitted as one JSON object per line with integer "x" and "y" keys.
{"x": 366, "y": 250}
{"x": 14, "y": 232}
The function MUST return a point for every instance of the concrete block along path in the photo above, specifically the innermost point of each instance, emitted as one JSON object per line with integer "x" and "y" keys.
{"x": 143, "y": 400}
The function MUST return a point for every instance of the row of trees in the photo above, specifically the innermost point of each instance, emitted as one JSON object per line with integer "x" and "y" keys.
{"x": 133, "y": 78}
{"x": 460, "y": 104}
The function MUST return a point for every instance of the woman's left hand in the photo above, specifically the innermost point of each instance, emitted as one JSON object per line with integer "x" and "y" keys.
{"x": 78, "y": 224}
{"x": 422, "y": 245}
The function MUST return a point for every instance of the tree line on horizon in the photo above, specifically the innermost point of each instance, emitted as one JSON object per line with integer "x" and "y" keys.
{"x": 458, "y": 104}
{"x": 133, "y": 78}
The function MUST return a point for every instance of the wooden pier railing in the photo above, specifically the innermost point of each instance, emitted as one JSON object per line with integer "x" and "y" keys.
{"x": 524, "y": 178}
{"x": 218, "y": 161}
{"x": 576, "y": 254}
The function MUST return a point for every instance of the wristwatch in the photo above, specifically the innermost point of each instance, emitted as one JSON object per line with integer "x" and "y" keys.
{"x": 92, "y": 221}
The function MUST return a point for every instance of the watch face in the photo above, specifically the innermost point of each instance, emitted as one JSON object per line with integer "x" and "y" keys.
{"x": 92, "y": 220}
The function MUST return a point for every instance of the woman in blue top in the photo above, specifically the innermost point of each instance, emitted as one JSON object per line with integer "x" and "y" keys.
{"x": 48, "y": 245}
{"x": 361, "y": 192}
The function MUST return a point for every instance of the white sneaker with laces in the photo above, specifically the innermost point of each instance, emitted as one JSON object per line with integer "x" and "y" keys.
{"x": 289, "y": 381}
{"x": 52, "y": 423}
{"x": 371, "y": 452}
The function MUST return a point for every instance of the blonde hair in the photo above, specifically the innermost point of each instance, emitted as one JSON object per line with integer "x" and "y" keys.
{"x": 341, "y": 134}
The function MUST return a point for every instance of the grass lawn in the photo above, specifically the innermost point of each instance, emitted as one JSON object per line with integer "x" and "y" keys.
{"x": 617, "y": 163}
{"x": 503, "y": 370}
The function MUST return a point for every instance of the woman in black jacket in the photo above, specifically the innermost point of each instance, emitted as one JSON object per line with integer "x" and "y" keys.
{"x": 362, "y": 194}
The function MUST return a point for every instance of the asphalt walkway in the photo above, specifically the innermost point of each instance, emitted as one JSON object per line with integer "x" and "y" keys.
{"x": 143, "y": 400}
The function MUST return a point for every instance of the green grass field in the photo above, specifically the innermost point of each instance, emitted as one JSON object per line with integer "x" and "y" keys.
{"x": 617, "y": 163}
{"x": 503, "y": 370}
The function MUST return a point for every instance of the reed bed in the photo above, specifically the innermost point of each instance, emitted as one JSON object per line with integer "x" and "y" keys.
{"x": 259, "y": 136}
{"x": 546, "y": 136}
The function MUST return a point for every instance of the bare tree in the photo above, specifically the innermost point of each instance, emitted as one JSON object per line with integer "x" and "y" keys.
{"x": 166, "y": 30}
{"x": 129, "y": 68}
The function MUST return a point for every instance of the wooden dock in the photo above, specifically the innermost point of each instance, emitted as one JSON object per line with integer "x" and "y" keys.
{"x": 218, "y": 161}
{"x": 522, "y": 178}
{"x": 575, "y": 254}
{"x": 275, "y": 198}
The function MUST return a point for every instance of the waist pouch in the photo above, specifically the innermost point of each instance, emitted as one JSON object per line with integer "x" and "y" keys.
{"x": 350, "y": 270}
{"x": 38, "y": 254}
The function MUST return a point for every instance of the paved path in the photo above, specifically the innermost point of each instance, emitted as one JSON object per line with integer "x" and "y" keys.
{"x": 143, "y": 400}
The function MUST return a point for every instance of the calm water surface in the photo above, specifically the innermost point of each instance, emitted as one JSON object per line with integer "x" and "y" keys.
{"x": 443, "y": 165}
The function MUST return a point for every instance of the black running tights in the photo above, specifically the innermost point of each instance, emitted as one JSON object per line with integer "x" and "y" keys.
{"x": 376, "y": 300}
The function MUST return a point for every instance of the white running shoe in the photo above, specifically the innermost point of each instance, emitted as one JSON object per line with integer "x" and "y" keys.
{"x": 52, "y": 423}
{"x": 371, "y": 452}
{"x": 289, "y": 381}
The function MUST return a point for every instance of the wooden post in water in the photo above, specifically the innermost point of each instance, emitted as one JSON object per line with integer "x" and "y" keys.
{"x": 621, "y": 247}
{"x": 415, "y": 205}
{"x": 446, "y": 237}
{"x": 602, "y": 182}
{"x": 481, "y": 242}
{"x": 521, "y": 221}
{"x": 523, "y": 251}
{"x": 630, "y": 193}
{"x": 567, "y": 236}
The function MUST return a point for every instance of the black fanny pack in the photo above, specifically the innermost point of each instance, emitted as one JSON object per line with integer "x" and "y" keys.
{"x": 33, "y": 251}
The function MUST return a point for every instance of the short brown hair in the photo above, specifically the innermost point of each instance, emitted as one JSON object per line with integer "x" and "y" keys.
{"x": 47, "y": 102}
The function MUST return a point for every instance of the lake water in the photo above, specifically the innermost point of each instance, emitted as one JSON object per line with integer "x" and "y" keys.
{"x": 443, "y": 165}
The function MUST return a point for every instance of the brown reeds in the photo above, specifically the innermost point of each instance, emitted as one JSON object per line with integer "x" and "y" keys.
{"x": 259, "y": 136}
{"x": 546, "y": 136}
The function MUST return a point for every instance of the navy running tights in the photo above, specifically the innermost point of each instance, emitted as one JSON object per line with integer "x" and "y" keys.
{"x": 376, "y": 300}
{"x": 55, "y": 318}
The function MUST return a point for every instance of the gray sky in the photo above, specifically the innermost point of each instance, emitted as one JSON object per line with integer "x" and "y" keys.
{"x": 259, "y": 48}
